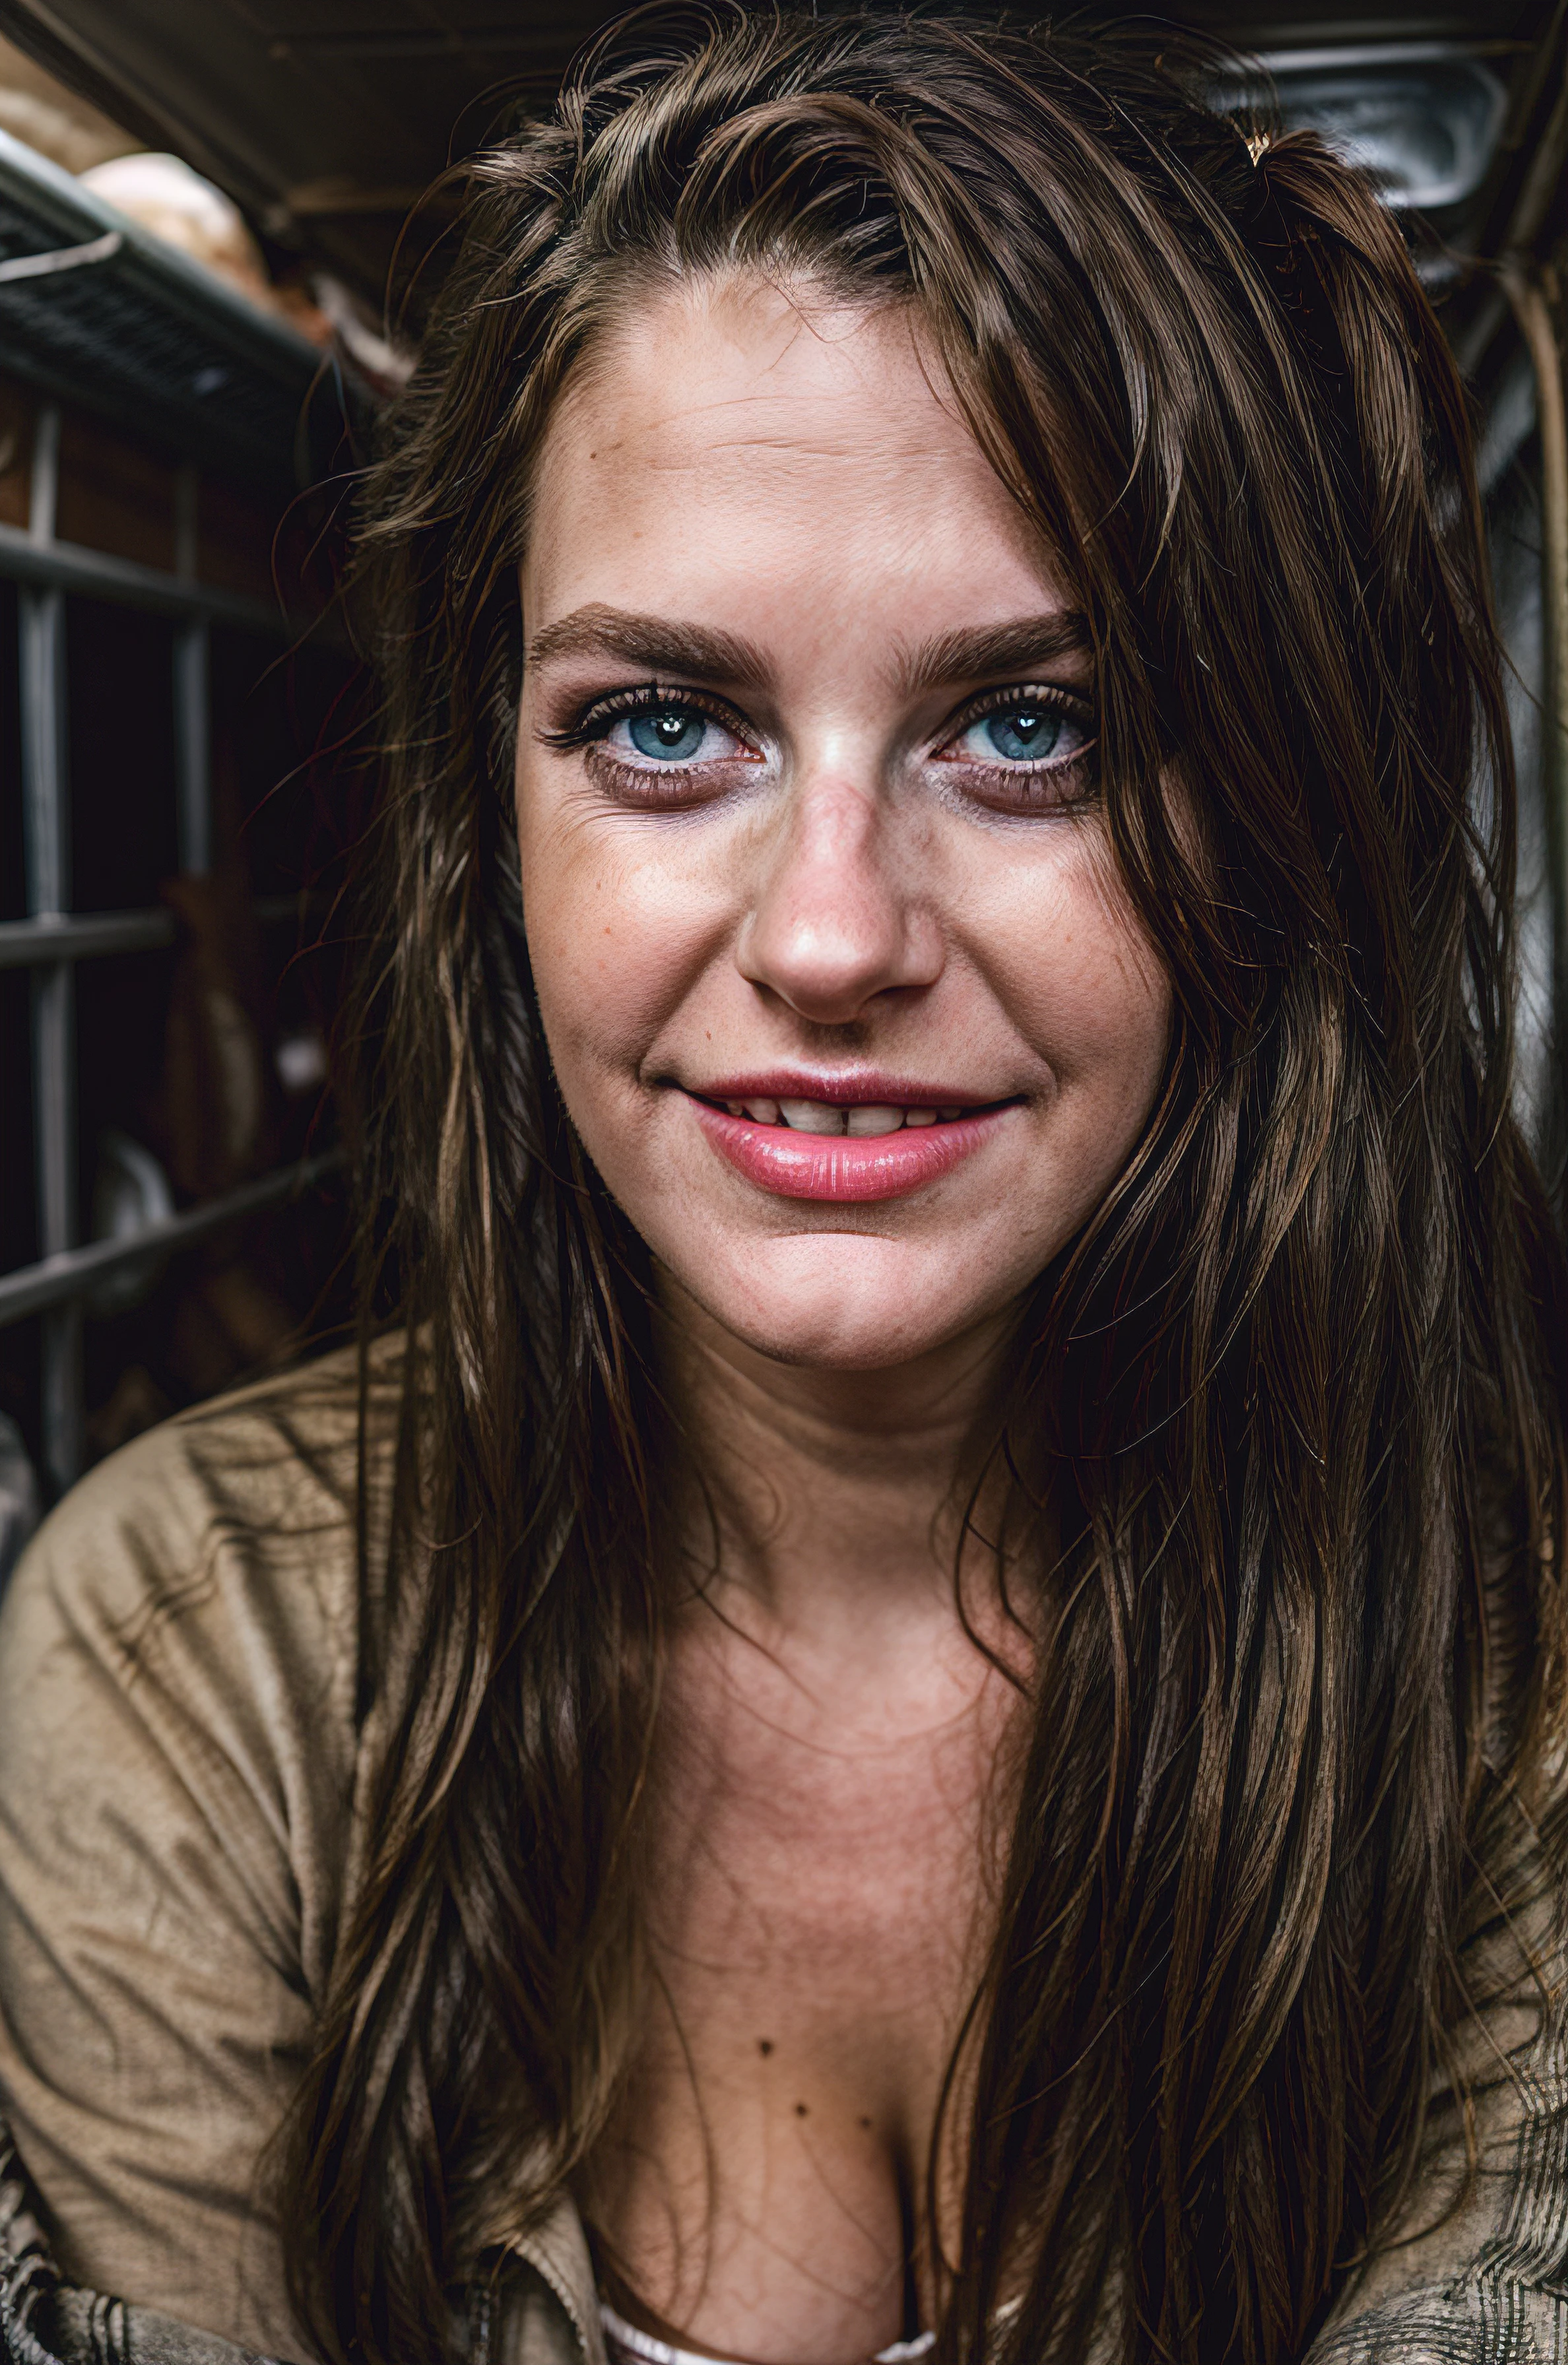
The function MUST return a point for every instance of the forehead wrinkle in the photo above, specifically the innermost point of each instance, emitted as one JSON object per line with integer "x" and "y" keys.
{"x": 789, "y": 445}
{"x": 814, "y": 422}
{"x": 809, "y": 428}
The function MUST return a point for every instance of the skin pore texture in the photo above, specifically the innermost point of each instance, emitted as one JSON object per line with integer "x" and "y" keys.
{"x": 807, "y": 826}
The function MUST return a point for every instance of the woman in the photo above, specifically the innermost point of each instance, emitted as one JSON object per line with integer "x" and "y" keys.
{"x": 916, "y": 1696}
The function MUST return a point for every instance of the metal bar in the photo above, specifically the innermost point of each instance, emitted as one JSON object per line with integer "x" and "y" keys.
{"x": 60, "y": 258}
{"x": 69, "y": 566}
{"x": 63, "y": 1280}
{"x": 42, "y": 620}
{"x": 1534, "y": 316}
{"x": 191, "y": 722}
{"x": 46, "y": 820}
{"x": 91, "y": 935}
{"x": 24, "y": 944}
{"x": 192, "y": 748}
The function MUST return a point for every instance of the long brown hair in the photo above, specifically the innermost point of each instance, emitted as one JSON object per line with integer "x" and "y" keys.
{"x": 1299, "y": 1387}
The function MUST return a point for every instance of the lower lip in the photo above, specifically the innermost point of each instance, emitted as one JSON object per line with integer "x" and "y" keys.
{"x": 843, "y": 1166}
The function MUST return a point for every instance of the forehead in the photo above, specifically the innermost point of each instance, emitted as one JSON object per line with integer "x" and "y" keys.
{"x": 740, "y": 434}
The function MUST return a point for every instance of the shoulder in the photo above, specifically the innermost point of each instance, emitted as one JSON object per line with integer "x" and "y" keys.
{"x": 179, "y": 1645}
{"x": 251, "y": 1499}
{"x": 180, "y": 1755}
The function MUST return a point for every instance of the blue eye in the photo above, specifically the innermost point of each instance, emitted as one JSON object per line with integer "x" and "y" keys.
{"x": 1021, "y": 735}
{"x": 662, "y": 745}
{"x": 1027, "y": 732}
{"x": 1025, "y": 752}
{"x": 670, "y": 735}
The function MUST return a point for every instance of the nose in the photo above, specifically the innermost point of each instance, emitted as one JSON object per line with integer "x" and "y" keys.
{"x": 834, "y": 923}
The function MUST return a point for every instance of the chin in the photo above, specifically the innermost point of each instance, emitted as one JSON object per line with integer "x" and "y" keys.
{"x": 839, "y": 1301}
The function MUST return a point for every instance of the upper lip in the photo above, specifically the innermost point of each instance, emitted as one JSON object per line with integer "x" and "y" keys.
{"x": 860, "y": 1088}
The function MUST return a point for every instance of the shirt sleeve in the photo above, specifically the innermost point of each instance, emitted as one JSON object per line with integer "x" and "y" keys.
{"x": 1475, "y": 2273}
{"x": 176, "y": 1771}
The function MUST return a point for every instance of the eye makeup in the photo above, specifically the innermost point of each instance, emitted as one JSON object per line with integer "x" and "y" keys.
{"x": 655, "y": 766}
{"x": 1027, "y": 749}
{"x": 1020, "y": 749}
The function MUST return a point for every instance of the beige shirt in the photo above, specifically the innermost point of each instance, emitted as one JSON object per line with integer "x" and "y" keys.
{"x": 179, "y": 1770}
{"x": 179, "y": 1763}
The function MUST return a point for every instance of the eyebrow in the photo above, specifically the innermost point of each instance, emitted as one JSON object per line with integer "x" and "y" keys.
{"x": 990, "y": 649}
{"x": 704, "y": 652}
{"x": 698, "y": 651}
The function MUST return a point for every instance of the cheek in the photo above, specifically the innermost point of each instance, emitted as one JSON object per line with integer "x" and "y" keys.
{"x": 616, "y": 938}
{"x": 1065, "y": 954}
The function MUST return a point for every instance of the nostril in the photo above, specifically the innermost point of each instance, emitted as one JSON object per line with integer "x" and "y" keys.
{"x": 833, "y": 926}
{"x": 830, "y": 975}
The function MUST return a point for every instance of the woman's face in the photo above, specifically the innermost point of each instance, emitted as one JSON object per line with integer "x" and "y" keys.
{"x": 842, "y": 992}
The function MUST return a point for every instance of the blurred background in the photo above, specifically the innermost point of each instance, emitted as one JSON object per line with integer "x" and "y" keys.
{"x": 209, "y": 280}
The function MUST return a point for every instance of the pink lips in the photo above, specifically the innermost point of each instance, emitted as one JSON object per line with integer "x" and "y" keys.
{"x": 842, "y": 1167}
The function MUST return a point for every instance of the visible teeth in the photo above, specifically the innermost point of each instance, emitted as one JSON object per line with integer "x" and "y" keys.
{"x": 950, "y": 1116}
{"x": 920, "y": 1116}
{"x": 875, "y": 1118}
{"x": 811, "y": 1116}
{"x": 736, "y": 1108}
{"x": 763, "y": 1112}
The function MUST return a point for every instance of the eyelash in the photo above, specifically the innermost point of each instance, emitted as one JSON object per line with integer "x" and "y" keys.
{"x": 599, "y": 717}
{"x": 1072, "y": 782}
{"x": 1072, "y": 778}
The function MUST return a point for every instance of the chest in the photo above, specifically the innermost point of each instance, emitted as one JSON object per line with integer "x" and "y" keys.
{"x": 820, "y": 1879}
{"x": 832, "y": 1866}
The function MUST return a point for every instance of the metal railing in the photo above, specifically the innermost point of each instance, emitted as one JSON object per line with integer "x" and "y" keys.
{"x": 53, "y": 938}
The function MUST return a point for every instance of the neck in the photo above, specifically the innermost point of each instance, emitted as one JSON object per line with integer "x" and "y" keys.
{"x": 838, "y": 1495}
